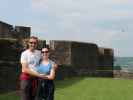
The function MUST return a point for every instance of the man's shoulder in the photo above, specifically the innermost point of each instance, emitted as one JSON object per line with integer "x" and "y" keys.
{"x": 25, "y": 52}
{"x": 38, "y": 51}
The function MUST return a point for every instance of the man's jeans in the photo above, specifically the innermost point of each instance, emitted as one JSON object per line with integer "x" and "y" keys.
{"x": 26, "y": 89}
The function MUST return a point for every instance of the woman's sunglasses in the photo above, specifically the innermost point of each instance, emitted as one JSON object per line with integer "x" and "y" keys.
{"x": 45, "y": 51}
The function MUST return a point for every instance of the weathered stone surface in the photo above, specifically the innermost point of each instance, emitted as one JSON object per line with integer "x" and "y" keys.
{"x": 81, "y": 54}
{"x": 105, "y": 59}
{"x": 5, "y": 29}
{"x": 84, "y": 55}
{"x": 82, "y": 58}
{"x": 122, "y": 74}
{"x": 8, "y": 31}
{"x": 61, "y": 52}
{"x": 9, "y": 74}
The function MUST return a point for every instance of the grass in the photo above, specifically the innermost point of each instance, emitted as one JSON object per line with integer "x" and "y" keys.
{"x": 88, "y": 89}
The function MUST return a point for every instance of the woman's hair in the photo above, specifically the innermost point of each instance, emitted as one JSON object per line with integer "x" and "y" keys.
{"x": 46, "y": 46}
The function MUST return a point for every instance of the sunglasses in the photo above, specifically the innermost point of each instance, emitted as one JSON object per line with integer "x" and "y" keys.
{"x": 33, "y": 42}
{"x": 45, "y": 51}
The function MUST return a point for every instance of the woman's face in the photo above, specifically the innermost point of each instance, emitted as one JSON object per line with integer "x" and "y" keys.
{"x": 45, "y": 52}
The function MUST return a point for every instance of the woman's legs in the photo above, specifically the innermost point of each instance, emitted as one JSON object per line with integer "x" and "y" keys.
{"x": 45, "y": 90}
{"x": 50, "y": 90}
{"x": 40, "y": 93}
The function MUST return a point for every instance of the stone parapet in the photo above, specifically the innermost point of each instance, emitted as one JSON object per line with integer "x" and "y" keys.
{"x": 122, "y": 74}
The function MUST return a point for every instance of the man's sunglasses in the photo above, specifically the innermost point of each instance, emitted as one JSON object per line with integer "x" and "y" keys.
{"x": 33, "y": 42}
{"x": 45, "y": 51}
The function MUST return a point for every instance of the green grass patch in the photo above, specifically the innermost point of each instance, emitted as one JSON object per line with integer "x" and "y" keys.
{"x": 88, "y": 89}
{"x": 9, "y": 96}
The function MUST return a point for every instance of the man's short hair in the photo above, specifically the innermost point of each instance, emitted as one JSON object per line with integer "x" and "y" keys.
{"x": 33, "y": 37}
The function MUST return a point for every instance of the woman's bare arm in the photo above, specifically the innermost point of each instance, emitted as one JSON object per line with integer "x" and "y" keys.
{"x": 52, "y": 74}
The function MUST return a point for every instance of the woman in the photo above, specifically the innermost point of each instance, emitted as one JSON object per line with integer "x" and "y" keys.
{"x": 47, "y": 68}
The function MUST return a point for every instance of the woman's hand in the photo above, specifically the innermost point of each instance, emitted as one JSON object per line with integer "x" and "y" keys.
{"x": 55, "y": 66}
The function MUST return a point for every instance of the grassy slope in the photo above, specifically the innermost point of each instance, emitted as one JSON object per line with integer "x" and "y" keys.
{"x": 89, "y": 89}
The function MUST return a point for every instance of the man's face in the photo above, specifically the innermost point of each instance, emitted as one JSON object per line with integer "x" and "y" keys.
{"x": 32, "y": 44}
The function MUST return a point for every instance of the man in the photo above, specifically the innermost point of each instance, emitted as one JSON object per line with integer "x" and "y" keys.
{"x": 29, "y": 59}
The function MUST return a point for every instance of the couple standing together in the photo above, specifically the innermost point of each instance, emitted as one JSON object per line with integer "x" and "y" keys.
{"x": 38, "y": 73}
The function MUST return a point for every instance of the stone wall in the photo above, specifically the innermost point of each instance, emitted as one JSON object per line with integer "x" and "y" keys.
{"x": 9, "y": 65}
{"x": 9, "y": 50}
{"x": 82, "y": 58}
{"x": 105, "y": 59}
{"x": 78, "y": 54}
{"x": 9, "y": 73}
{"x": 84, "y": 55}
{"x": 8, "y": 31}
{"x": 72, "y": 71}
{"x": 122, "y": 74}
{"x": 61, "y": 52}
{"x": 5, "y": 29}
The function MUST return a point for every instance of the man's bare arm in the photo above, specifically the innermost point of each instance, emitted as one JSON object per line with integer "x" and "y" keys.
{"x": 25, "y": 69}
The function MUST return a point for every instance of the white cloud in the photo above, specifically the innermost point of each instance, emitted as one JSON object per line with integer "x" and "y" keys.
{"x": 99, "y": 21}
{"x": 39, "y": 5}
{"x": 119, "y": 1}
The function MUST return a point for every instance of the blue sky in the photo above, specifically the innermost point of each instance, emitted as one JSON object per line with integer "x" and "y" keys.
{"x": 107, "y": 23}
